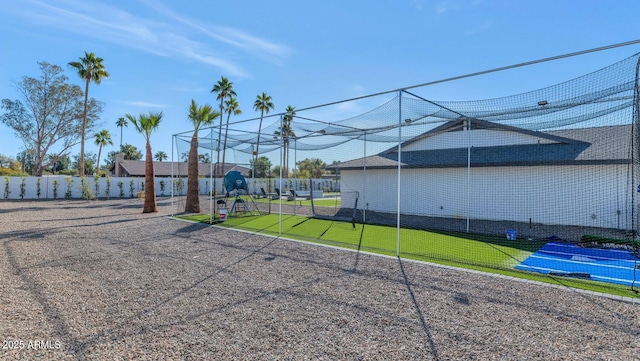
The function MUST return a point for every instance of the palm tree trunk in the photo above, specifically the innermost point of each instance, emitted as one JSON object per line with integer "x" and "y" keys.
{"x": 98, "y": 162}
{"x": 150, "y": 205}
{"x": 193, "y": 199}
{"x": 224, "y": 145}
{"x": 84, "y": 127}
{"x": 218, "y": 171}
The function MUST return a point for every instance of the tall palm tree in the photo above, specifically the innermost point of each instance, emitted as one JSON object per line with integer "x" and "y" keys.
{"x": 160, "y": 156}
{"x": 199, "y": 116}
{"x": 224, "y": 89}
{"x": 145, "y": 125}
{"x": 231, "y": 107}
{"x": 90, "y": 69}
{"x": 263, "y": 103}
{"x": 102, "y": 138}
{"x": 286, "y": 132}
{"x": 122, "y": 122}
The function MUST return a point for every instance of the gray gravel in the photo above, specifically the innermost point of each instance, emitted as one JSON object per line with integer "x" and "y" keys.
{"x": 102, "y": 281}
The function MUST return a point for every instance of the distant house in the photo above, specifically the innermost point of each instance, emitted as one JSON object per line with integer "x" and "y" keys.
{"x": 479, "y": 170}
{"x": 136, "y": 168}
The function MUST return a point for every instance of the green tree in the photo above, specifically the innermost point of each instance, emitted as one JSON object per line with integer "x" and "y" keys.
{"x": 275, "y": 171}
{"x": 51, "y": 114}
{"x": 261, "y": 167}
{"x": 102, "y": 138}
{"x": 224, "y": 89}
{"x": 311, "y": 168}
{"x": 129, "y": 151}
{"x": 58, "y": 162}
{"x": 286, "y": 132}
{"x": 263, "y": 103}
{"x": 6, "y": 161}
{"x": 160, "y": 156}
{"x": 199, "y": 116}
{"x": 10, "y": 166}
{"x": 231, "y": 107}
{"x": 145, "y": 125}
{"x": 121, "y": 123}
{"x": 90, "y": 160}
{"x": 91, "y": 69}
{"x": 27, "y": 158}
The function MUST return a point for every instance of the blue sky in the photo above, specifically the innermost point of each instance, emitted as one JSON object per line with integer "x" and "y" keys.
{"x": 161, "y": 54}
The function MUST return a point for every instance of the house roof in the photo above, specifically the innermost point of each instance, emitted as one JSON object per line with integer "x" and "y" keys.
{"x": 136, "y": 168}
{"x": 596, "y": 145}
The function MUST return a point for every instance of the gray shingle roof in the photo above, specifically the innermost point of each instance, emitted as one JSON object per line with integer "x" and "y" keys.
{"x": 597, "y": 145}
{"x": 136, "y": 168}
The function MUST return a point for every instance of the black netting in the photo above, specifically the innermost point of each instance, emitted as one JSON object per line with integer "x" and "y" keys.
{"x": 553, "y": 164}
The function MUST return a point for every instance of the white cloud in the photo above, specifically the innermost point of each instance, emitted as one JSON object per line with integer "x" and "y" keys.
{"x": 159, "y": 37}
{"x": 143, "y": 104}
{"x": 260, "y": 47}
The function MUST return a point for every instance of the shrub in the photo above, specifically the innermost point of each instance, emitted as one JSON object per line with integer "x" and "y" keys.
{"x": 6, "y": 186}
{"x": 107, "y": 188}
{"x": 85, "y": 189}
{"x": 96, "y": 185}
{"x": 67, "y": 194}
{"x": 55, "y": 189}
{"x": 121, "y": 187}
{"x": 23, "y": 186}
{"x": 38, "y": 190}
{"x": 163, "y": 184}
{"x": 178, "y": 185}
{"x": 131, "y": 188}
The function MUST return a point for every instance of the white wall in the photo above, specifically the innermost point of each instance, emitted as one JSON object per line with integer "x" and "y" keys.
{"x": 566, "y": 195}
{"x": 47, "y": 185}
{"x": 206, "y": 184}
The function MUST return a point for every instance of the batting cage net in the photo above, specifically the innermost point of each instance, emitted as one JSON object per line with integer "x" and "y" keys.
{"x": 544, "y": 182}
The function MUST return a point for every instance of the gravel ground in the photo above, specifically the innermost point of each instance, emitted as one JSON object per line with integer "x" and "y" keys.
{"x": 102, "y": 281}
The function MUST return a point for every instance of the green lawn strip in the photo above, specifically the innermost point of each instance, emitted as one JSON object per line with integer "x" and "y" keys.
{"x": 482, "y": 253}
{"x": 429, "y": 245}
{"x": 321, "y": 202}
{"x": 445, "y": 247}
{"x": 268, "y": 223}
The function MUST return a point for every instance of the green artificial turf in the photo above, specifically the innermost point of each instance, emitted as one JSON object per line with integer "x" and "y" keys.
{"x": 321, "y": 202}
{"x": 478, "y": 252}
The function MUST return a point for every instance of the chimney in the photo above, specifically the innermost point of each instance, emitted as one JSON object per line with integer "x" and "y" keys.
{"x": 117, "y": 169}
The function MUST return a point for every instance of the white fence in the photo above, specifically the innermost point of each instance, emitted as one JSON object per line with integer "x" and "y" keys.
{"x": 61, "y": 187}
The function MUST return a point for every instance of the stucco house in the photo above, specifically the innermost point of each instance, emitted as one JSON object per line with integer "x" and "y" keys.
{"x": 478, "y": 170}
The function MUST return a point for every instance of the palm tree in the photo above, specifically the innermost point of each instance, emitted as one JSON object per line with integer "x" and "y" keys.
{"x": 160, "y": 156}
{"x": 199, "y": 116}
{"x": 231, "y": 107}
{"x": 145, "y": 125}
{"x": 90, "y": 69}
{"x": 263, "y": 103}
{"x": 224, "y": 89}
{"x": 286, "y": 132}
{"x": 52, "y": 160}
{"x": 102, "y": 138}
{"x": 129, "y": 151}
{"x": 122, "y": 122}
